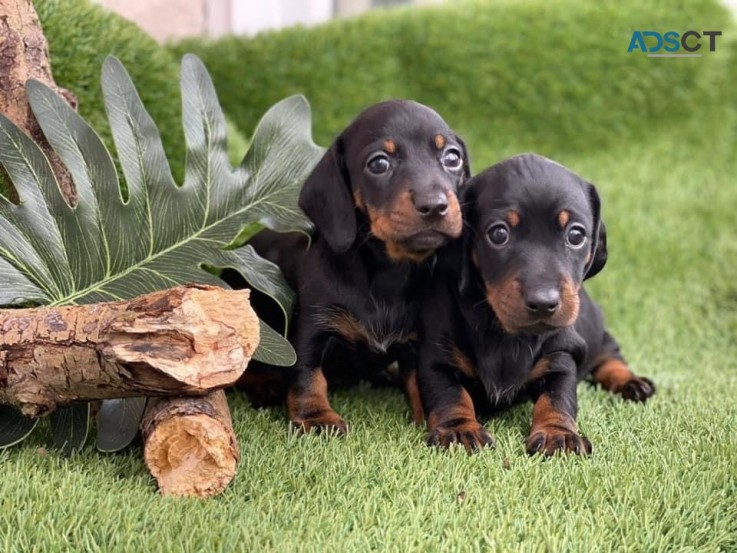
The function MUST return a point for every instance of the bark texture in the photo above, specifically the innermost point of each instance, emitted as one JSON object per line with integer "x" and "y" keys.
{"x": 186, "y": 340}
{"x": 189, "y": 444}
{"x": 24, "y": 54}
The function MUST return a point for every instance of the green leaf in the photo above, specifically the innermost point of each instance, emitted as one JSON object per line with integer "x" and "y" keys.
{"x": 14, "y": 426}
{"x": 118, "y": 421}
{"x": 263, "y": 275}
{"x": 69, "y": 428}
{"x": 272, "y": 348}
{"x": 110, "y": 247}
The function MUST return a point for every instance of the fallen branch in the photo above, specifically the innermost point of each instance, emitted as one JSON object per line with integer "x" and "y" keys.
{"x": 186, "y": 340}
{"x": 189, "y": 444}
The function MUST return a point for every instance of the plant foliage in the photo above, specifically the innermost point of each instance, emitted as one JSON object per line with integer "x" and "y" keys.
{"x": 115, "y": 245}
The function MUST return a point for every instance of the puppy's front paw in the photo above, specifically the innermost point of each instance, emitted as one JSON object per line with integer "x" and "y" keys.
{"x": 549, "y": 439}
{"x": 638, "y": 388}
{"x": 327, "y": 421}
{"x": 469, "y": 433}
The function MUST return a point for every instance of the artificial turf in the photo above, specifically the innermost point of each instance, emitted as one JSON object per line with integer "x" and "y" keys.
{"x": 663, "y": 476}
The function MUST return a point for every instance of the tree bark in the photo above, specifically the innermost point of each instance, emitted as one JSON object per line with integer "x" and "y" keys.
{"x": 24, "y": 54}
{"x": 189, "y": 444}
{"x": 186, "y": 340}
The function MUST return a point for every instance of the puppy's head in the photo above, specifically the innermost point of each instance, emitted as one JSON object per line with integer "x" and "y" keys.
{"x": 536, "y": 234}
{"x": 397, "y": 166}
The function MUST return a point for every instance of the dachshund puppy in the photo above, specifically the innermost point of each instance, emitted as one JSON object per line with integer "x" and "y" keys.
{"x": 507, "y": 317}
{"x": 383, "y": 199}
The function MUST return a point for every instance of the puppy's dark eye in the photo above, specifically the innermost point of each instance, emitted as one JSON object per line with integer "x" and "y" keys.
{"x": 378, "y": 164}
{"x": 499, "y": 234}
{"x": 575, "y": 236}
{"x": 452, "y": 159}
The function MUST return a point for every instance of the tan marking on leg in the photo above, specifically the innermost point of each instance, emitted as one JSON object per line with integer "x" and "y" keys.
{"x": 462, "y": 409}
{"x": 457, "y": 424}
{"x": 412, "y": 389}
{"x": 544, "y": 414}
{"x": 539, "y": 370}
{"x": 463, "y": 363}
{"x": 612, "y": 374}
{"x": 553, "y": 430}
{"x": 309, "y": 407}
{"x": 615, "y": 376}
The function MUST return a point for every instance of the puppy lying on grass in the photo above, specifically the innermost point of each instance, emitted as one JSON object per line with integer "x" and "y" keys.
{"x": 507, "y": 317}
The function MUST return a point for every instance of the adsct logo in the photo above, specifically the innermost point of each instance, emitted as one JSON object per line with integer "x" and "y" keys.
{"x": 673, "y": 44}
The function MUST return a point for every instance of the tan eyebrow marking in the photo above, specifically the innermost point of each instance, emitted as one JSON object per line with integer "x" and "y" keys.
{"x": 563, "y": 218}
{"x": 512, "y": 218}
{"x": 439, "y": 141}
{"x": 390, "y": 146}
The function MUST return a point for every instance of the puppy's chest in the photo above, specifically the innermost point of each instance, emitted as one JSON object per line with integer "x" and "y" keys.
{"x": 503, "y": 366}
{"x": 379, "y": 325}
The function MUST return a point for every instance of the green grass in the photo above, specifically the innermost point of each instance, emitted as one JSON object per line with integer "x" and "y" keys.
{"x": 663, "y": 476}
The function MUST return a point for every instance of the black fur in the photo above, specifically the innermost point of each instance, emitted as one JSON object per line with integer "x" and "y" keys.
{"x": 360, "y": 284}
{"x": 510, "y": 320}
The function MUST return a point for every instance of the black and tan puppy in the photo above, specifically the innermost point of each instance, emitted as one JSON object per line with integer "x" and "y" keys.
{"x": 507, "y": 317}
{"x": 383, "y": 199}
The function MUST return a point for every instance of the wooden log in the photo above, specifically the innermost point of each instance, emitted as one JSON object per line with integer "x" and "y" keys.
{"x": 185, "y": 340}
{"x": 24, "y": 54}
{"x": 189, "y": 444}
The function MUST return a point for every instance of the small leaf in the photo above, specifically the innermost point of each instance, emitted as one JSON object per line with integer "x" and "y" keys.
{"x": 274, "y": 349}
{"x": 69, "y": 428}
{"x": 118, "y": 421}
{"x": 14, "y": 426}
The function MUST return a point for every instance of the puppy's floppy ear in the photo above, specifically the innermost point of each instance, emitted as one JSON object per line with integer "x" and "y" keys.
{"x": 598, "y": 240}
{"x": 466, "y": 161}
{"x": 326, "y": 199}
{"x": 468, "y": 199}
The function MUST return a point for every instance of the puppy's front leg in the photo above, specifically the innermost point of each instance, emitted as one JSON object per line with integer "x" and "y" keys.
{"x": 407, "y": 361}
{"x": 308, "y": 407}
{"x": 451, "y": 418}
{"x": 554, "y": 414}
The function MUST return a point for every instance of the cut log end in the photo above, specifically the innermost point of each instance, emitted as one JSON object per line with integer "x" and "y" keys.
{"x": 189, "y": 445}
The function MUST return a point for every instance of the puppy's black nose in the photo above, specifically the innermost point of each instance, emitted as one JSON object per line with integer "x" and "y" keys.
{"x": 432, "y": 206}
{"x": 543, "y": 302}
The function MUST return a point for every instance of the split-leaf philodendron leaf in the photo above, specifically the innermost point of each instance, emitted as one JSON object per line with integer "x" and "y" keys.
{"x": 110, "y": 247}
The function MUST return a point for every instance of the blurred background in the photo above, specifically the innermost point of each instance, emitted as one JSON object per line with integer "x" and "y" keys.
{"x": 175, "y": 19}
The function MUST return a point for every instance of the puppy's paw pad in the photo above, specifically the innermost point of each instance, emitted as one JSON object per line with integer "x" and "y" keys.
{"x": 637, "y": 389}
{"x": 470, "y": 434}
{"x": 547, "y": 441}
